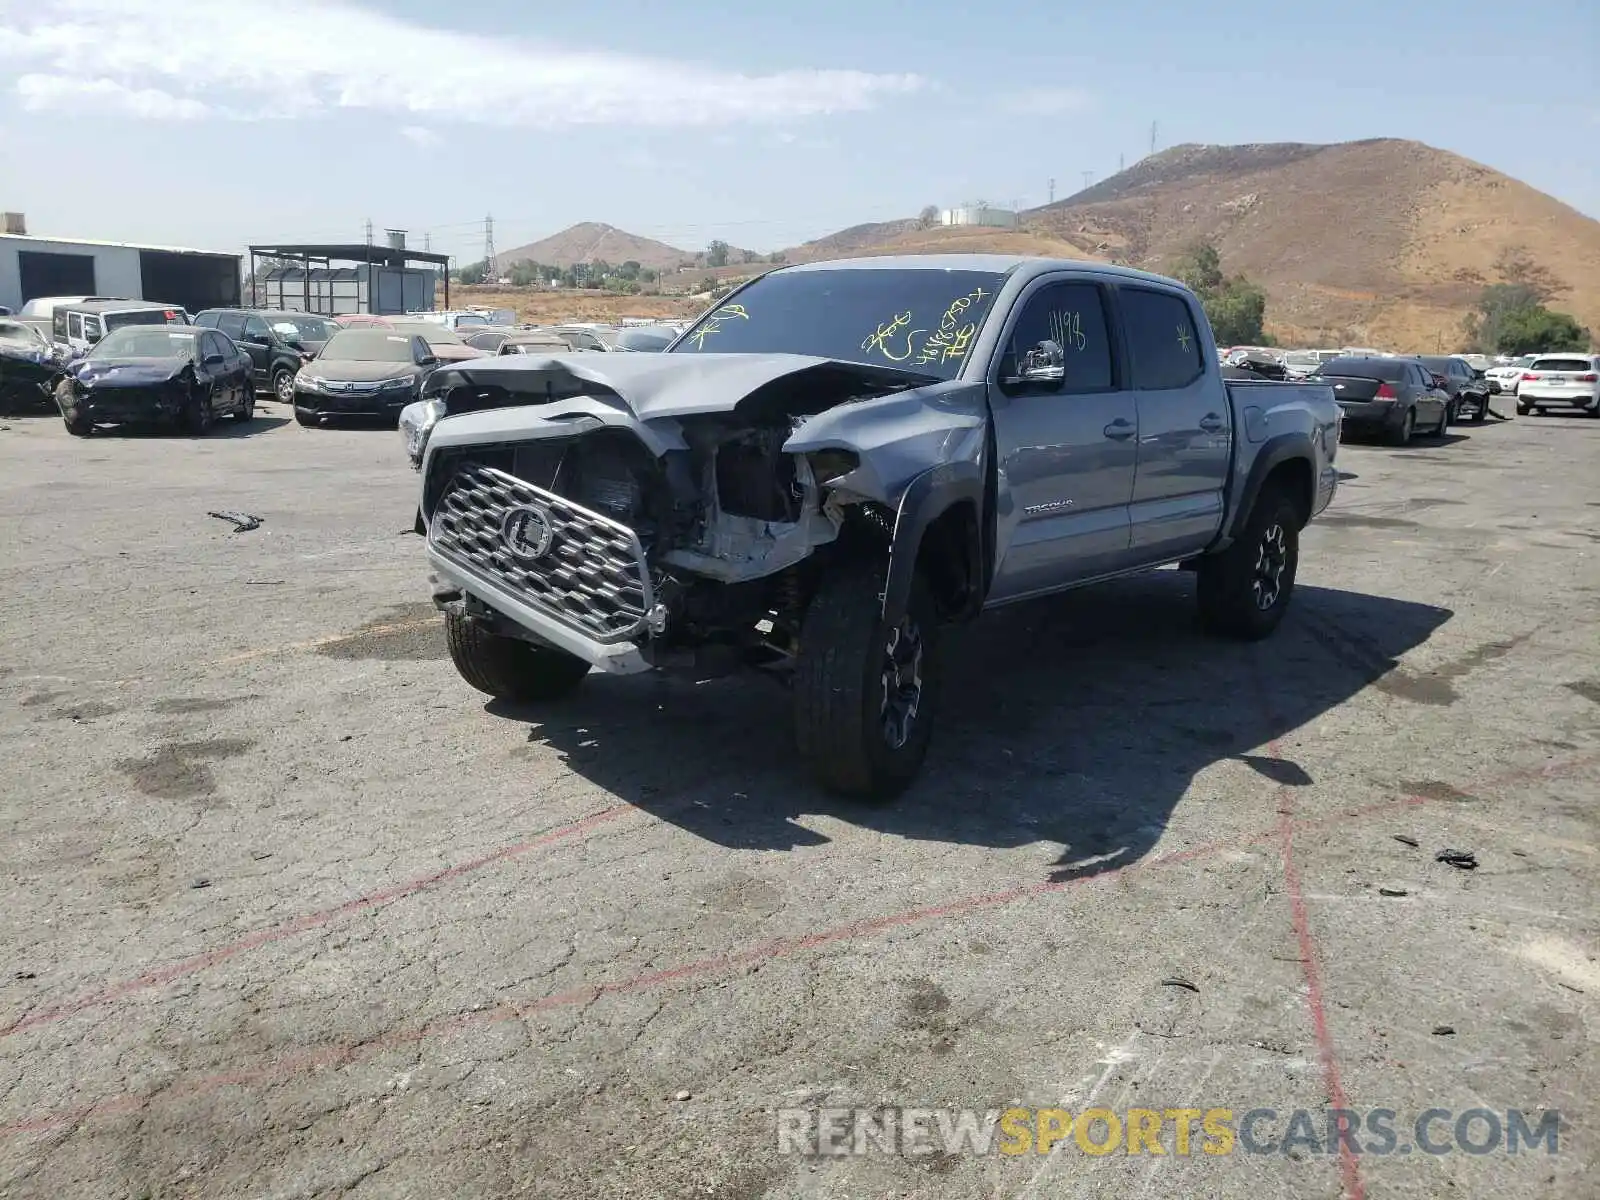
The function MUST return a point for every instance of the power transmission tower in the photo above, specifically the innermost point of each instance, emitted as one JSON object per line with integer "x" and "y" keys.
{"x": 489, "y": 273}
{"x": 1122, "y": 162}
{"x": 1153, "y": 127}
{"x": 1052, "y": 191}
{"x": 369, "y": 231}
{"x": 427, "y": 241}
{"x": 1087, "y": 176}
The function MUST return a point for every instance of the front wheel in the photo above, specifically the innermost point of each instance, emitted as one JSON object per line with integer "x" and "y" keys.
{"x": 198, "y": 415}
{"x": 282, "y": 387}
{"x": 1245, "y": 590}
{"x": 509, "y": 668}
{"x": 306, "y": 417}
{"x": 79, "y": 426}
{"x": 247, "y": 403}
{"x": 865, "y": 690}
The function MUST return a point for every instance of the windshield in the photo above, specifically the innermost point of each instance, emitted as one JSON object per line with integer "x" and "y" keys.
{"x": 369, "y": 345}
{"x": 135, "y": 342}
{"x": 305, "y": 329}
{"x": 15, "y": 331}
{"x": 1390, "y": 369}
{"x": 434, "y": 335}
{"x": 922, "y": 320}
{"x": 145, "y": 316}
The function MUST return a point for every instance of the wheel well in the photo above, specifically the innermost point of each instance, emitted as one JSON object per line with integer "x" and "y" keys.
{"x": 949, "y": 560}
{"x": 1293, "y": 478}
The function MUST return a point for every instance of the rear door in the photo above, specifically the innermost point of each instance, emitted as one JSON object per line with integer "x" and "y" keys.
{"x": 258, "y": 344}
{"x": 1066, "y": 448}
{"x": 1184, "y": 425}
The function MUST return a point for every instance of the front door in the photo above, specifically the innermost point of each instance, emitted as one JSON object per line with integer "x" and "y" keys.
{"x": 258, "y": 345}
{"x": 1184, "y": 426}
{"x": 1066, "y": 449}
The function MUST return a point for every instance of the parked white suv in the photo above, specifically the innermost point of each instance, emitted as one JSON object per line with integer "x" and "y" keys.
{"x": 1554, "y": 381}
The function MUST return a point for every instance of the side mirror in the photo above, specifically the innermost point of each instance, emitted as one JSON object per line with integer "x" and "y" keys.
{"x": 1045, "y": 363}
{"x": 428, "y": 360}
{"x": 212, "y": 360}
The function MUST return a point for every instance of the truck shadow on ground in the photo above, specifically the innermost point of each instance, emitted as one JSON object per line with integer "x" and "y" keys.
{"x": 1079, "y": 720}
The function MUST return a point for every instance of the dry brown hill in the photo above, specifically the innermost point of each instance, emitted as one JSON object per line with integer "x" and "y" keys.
{"x": 1383, "y": 242}
{"x": 589, "y": 241}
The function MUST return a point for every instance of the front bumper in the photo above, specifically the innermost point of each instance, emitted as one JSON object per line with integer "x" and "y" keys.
{"x": 114, "y": 404}
{"x": 352, "y": 404}
{"x": 614, "y": 658}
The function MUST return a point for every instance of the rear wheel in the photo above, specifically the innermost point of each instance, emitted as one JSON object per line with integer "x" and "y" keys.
{"x": 1408, "y": 426}
{"x": 865, "y": 690}
{"x": 1443, "y": 427}
{"x": 1245, "y": 590}
{"x": 510, "y": 668}
{"x": 247, "y": 403}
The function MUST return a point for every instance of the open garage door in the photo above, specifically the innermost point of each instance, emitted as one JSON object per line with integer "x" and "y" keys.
{"x": 195, "y": 281}
{"x": 55, "y": 274}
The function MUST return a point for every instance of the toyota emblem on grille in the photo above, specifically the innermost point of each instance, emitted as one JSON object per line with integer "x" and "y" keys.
{"x": 527, "y": 532}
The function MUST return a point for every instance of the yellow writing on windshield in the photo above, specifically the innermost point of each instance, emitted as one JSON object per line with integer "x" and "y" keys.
{"x": 713, "y": 324}
{"x": 889, "y": 340}
{"x": 944, "y": 345}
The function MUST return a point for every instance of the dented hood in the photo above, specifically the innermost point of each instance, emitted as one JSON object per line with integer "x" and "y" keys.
{"x": 655, "y": 386}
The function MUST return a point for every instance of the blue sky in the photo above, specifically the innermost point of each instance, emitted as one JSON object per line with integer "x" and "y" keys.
{"x": 216, "y": 124}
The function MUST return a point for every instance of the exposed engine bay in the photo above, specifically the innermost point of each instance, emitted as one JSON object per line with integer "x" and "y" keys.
{"x": 736, "y": 508}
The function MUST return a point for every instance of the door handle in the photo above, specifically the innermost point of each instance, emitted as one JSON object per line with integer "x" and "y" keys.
{"x": 1119, "y": 430}
{"x": 1211, "y": 422}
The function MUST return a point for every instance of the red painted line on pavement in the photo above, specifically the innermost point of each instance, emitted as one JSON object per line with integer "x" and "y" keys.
{"x": 301, "y": 924}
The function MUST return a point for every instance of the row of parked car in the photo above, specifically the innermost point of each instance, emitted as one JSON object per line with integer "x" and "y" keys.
{"x": 1397, "y": 396}
{"x": 103, "y": 360}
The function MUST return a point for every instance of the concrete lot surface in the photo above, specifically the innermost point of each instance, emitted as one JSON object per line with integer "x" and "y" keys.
{"x": 289, "y": 911}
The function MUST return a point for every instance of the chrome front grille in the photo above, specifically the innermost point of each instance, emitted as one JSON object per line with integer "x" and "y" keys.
{"x": 592, "y": 577}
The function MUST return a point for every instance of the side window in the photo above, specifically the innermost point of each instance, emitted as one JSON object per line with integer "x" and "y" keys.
{"x": 91, "y": 329}
{"x": 58, "y": 325}
{"x": 231, "y": 323}
{"x": 75, "y": 325}
{"x": 1073, "y": 316}
{"x": 206, "y": 320}
{"x": 1161, "y": 339}
{"x": 420, "y": 349}
{"x": 255, "y": 327}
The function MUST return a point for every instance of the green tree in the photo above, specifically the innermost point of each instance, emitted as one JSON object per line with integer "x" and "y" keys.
{"x": 777, "y": 256}
{"x": 928, "y": 217}
{"x": 717, "y": 254}
{"x": 1235, "y": 307}
{"x": 1536, "y": 329}
{"x": 470, "y": 273}
{"x": 524, "y": 273}
{"x": 1496, "y": 304}
{"x": 749, "y": 256}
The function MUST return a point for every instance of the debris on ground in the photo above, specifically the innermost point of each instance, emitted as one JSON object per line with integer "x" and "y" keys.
{"x": 681, "y": 1095}
{"x": 25, "y": 975}
{"x": 1389, "y": 891}
{"x": 202, "y": 882}
{"x": 1444, "y": 1030}
{"x": 242, "y": 522}
{"x": 1464, "y": 860}
{"x": 1406, "y": 841}
{"x": 1178, "y": 981}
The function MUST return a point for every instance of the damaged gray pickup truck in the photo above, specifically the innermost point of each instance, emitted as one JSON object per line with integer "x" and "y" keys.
{"x": 838, "y": 461}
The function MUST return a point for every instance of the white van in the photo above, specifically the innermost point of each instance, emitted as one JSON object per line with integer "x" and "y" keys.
{"x": 77, "y": 327}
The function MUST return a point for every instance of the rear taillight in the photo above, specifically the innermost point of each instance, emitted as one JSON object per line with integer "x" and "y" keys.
{"x": 1385, "y": 392}
{"x": 1529, "y": 375}
{"x": 1589, "y": 378}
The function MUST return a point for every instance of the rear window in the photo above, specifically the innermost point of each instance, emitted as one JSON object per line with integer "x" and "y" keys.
{"x": 1391, "y": 370}
{"x": 1562, "y": 364}
{"x": 144, "y": 316}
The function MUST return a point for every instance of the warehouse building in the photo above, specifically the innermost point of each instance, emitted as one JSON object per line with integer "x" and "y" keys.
{"x": 378, "y": 279}
{"x": 39, "y": 266}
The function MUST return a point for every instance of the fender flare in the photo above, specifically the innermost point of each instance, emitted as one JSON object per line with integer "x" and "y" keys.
{"x": 1273, "y": 453}
{"x": 928, "y": 497}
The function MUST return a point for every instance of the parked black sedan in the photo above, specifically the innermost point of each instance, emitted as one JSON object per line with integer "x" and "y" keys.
{"x": 177, "y": 375}
{"x": 363, "y": 372}
{"x": 1394, "y": 397}
{"x": 1468, "y": 388}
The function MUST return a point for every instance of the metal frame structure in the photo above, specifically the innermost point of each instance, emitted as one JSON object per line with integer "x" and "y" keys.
{"x": 325, "y": 254}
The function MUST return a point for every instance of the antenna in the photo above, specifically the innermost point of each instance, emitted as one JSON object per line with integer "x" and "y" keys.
{"x": 1052, "y": 191}
{"x": 489, "y": 273}
{"x": 1153, "y": 128}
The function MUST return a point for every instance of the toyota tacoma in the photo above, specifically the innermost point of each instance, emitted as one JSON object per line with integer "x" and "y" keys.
{"x": 839, "y": 461}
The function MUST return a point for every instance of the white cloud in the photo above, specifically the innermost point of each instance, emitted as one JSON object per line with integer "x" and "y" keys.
{"x": 417, "y": 135}
{"x": 1047, "y": 101}
{"x": 59, "y": 93}
{"x": 232, "y": 57}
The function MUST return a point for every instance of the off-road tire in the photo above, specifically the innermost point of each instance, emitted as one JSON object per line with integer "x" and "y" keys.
{"x": 1408, "y": 426}
{"x": 78, "y": 426}
{"x": 1225, "y": 582}
{"x": 839, "y": 686}
{"x": 509, "y": 668}
{"x": 307, "y": 418}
